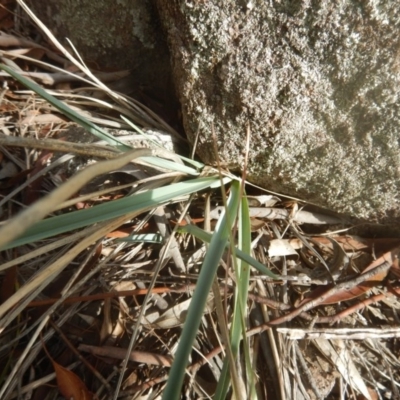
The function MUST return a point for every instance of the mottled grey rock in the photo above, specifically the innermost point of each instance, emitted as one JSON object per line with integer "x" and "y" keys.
{"x": 318, "y": 82}
{"x": 116, "y": 35}
{"x": 111, "y": 33}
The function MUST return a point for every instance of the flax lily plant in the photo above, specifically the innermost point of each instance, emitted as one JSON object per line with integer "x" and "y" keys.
{"x": 37, "y": 223}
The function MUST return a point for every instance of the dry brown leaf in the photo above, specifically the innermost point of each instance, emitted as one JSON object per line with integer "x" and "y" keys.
{"x": 70, "y": 385}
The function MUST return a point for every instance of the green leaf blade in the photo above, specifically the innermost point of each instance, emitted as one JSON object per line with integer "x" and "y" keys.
{"x": 136, "y": 203}
{"x": 206, "y": 277}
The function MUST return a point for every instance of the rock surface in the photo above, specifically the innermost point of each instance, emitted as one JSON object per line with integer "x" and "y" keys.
{"x": 317, "y": 81}
{"x": 117, "y": 35}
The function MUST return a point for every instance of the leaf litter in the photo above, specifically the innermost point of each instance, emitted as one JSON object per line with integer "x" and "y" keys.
{"x": 331, "y": 334}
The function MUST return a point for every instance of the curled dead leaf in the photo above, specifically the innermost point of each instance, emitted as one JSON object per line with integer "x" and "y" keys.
{"x": 70, "y": 385}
